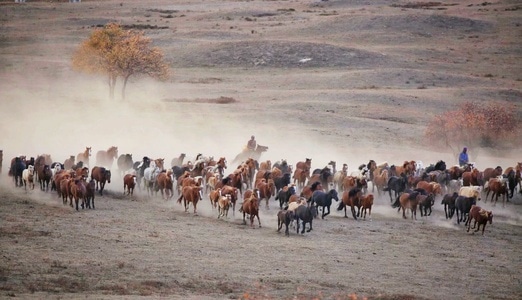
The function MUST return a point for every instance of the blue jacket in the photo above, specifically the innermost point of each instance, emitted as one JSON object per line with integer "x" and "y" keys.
{"x": 463, "y": 159}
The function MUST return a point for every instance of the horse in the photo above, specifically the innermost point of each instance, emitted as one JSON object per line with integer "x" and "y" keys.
{"x": 233, "y": 192}
{"x": 140, "y": 167}
{"x": 84, "y": 156}
{"x": 300, "y": 176}
{"x": 28, "y": 177}
{"x": 45, "y": 175}
{"x": 449, "y": 204}
{"x": 438, "y": 166}
{"x": 18, "y": 166}
{"x": 223, "y": 203}
{"x": 177, "y": 161}
{"x": 266, "y": 190}
{"x": 380, "y": 181}
{"x": 489, "y": 173}
{"x": 339, "y": 176}
{"x": 426, "y": 203}
{"x": 149, "y": 177}
{"x": 498, "y": 187}
{"x": 366, "y": 204}
{"x": 101, "y": 176}
{"x": 410, "y": 201}
{"x": 64, "y": 188}
{"x": 282, "y": 181}
{"x": 190, "y": 194}
{"x": 324, "y": 200}
{"x": 463, "y": 205}
{"x": 250, "y": 206}
{"x": 78, "y": 192}
{"x": 481, "y": 217}
{"x": 165, "y": 185}
{"x": 396, "y": 184}
{"x": 245, "y": 154}
{"x": 473, "y": 177}
{"x": 284, "y": 195}
{"x": 351, "y": 198}
{"x": 284, "y": 217}
{"x": 129, "y": 182}
{"x": 323, "y": 175}
{"x": 306, "y": 214}
{"x": 41, "y": 160}
{"x": 105, "y": 158}
{"x": 124, "y": 163}
{"x": 69, "y": 163}
{"x": 90, "y": 193}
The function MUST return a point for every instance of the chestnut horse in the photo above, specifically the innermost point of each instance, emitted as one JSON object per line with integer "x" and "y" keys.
{"x": 250, "y": 206}
{"x": 190, "y": 194}
{"x": 266, "y": 190}
{"x": 44, "y": 176}
{"x": 165, "y": 184}
{"x": 84, "y": 156}
{"x": 366, "y": 204}
{"x": 129, "y": 183}
{"x": 105, "y": 158}
{"x": 101, "y": 176}
{"x": 351, "y": 198}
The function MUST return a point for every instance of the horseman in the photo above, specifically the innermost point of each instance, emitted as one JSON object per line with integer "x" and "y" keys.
{"x": 252, "y": 144}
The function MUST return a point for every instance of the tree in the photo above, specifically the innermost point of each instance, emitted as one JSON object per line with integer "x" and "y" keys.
{"x": 115, "y": 52}
{"x": 474, "y": 125}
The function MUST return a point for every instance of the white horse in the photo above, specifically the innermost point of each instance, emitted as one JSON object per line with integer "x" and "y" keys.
{"x": 28, "y": 177}
{"x": 149, "y": 177}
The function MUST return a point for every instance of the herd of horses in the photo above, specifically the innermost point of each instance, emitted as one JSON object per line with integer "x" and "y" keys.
{"x": 303, "y": 193}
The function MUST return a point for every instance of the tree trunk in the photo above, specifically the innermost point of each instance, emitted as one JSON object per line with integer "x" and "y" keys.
{"x": 125, "y": 79}
{"x": 112, "y": 85}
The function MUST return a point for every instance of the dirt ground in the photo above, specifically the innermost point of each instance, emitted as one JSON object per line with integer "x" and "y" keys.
{"x": 347, "y": 81}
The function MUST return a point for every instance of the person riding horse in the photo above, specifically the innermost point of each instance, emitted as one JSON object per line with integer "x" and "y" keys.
{"x": 463, "y": 157}
{"x": 252, "y": 144}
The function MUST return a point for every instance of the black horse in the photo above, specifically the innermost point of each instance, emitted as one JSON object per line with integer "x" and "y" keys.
{"x": 396, "y": 184}
{"x": 17, "y": 169}
{"x": 324, "y": 200}
{"x": 283, "y": 196}
{"x": 449, "y": 204}
{"x": 512, "y": 182}
{"x": 306, "y": 214}
{"x": 463, "y": 205}
{"x": 124, "y": 163}
{"x": 283, "y": 166}
{"x": 282, "y": 181}
{"x": 426, "y": 203}
{"x": 439, "y": 166}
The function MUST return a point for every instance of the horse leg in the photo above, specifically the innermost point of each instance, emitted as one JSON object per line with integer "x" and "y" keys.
{"x": 310, "y": 229}
{"x": 353, "y": 212}
{"x": 244, "y": 218}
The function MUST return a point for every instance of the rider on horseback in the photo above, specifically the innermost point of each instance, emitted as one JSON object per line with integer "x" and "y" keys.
{"x": 252, "y": 144}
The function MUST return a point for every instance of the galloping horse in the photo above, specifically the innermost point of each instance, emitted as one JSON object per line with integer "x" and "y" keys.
{"x": 105, "y": 158}
{"x": 44, "y": 176}
{"x": 84, "y": 156}
{"x": 28, "y": 177}
{"x": 324, "y": 200}
{"x": 250, "y": 206}
{"x": 124, "y": 163}
{"x": 178, "y": 161}
{"x": 101, "y": 176}
{"x": 129, "y": 182}
{"x": 245, "y": 154}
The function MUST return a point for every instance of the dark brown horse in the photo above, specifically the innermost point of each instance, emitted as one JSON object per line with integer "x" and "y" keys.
{"x": 250, "y": 206}
{"x": 44, "y": 176}
{"x": 105, "y": 158}
{"x": 78, "y": 191}
{"x": 351, "y": 198}
{"x": 69, "y": 163}
{"x": 165, "y": 185}
{"x": 101, "y": 176}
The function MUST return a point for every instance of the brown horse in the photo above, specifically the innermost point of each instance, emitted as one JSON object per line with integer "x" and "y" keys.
{"x": 409, "y": 202}
{"x": 78, "y": 191}
{"x": 190, "y": 194}
{"x": 129, "y": 183}
{"x": 165, "y": 185}
{"x": 84, "y": 156}
{"x": 41, "y": 160}
{"x": 105, "y": 158}
{"x": 64, "y": 188}
{"x": 300, "y": 177}
{"x": 351, "y": 198}
{"x": 366, "y": 204}
{"x": 266, "y": 190}
{"x": 304, "y": 165}
{"x": 101, "y": 176}
{"x": 90, "y": 193}
{"x": 473, "y": 177}
{"x": 160, "y": 163}
{"x": 481, "y": 216}
{"x": 223, "y": 206}
{"x": 44, "y": 176}
{"x": 58, "y": 177}
{"x": 380, "y": 181}
{"x": 250, "y": 206}
{"x": 491, "y": 173}
{"x": 233, "y": 192}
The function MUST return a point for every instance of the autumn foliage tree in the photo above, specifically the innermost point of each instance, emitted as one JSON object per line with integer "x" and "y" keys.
{"x": 115, "y": 52}
{"x": 473, "y": 124}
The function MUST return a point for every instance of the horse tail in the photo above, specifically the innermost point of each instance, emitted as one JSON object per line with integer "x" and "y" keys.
{"x": 397, "y": 202}
{"x": 340, "y": 206}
